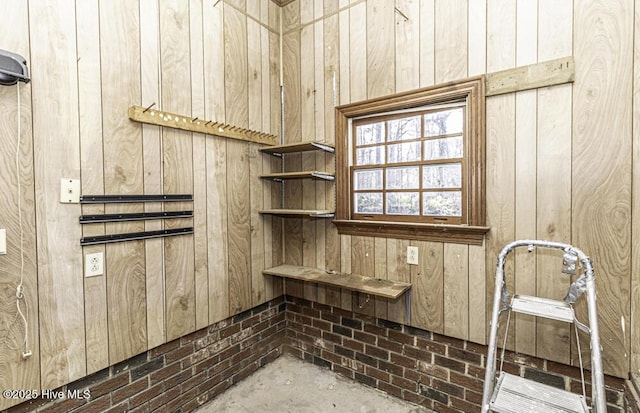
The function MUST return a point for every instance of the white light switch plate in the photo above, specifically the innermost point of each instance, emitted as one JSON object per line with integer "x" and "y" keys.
{"x": 3, "y": 241}
{"x": 69, "y": 191}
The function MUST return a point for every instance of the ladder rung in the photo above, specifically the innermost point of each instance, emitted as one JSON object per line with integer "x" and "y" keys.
{"x": 515, "y": 394}
{"x": 542, "y": 307}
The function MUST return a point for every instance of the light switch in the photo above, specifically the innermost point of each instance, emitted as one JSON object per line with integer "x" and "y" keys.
{"x": 69, "y": 191}
{"x": 3, "y": 241}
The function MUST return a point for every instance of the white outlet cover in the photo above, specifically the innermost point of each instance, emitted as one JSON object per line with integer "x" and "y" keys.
{"x": 3, "y": 241}
{"x": 412, "y": 255}
{"x": 69, "y": 191}
{"x": 94, "y": 264}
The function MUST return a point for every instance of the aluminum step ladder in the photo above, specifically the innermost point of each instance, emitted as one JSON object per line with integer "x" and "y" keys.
{"x": 508, "y": 393}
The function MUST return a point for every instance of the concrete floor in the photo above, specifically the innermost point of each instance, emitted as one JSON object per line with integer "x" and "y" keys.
{"x": 291, "y": 385}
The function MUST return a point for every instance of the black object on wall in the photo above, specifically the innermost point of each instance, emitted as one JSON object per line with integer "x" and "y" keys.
{"x": 13, "y": 68}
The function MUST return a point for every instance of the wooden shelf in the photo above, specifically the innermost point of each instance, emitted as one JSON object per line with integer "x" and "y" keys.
{"x": 354, "y": 282}
{"x": 299, "y": 147}
{"x": 299, "y": 175}
{"x": 313, "y": 213}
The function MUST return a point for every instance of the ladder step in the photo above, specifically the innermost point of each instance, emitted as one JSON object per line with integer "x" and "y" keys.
{"x": 515, "y": 394}
{"x": 542, "y": 307}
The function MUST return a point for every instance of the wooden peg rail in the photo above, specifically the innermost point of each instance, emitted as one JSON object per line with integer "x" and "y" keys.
{"x": 173, "y": 120}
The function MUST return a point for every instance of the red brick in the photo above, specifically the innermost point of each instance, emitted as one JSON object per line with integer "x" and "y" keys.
{"x": 121, "y": 408}
{"x": 377, "y": 352}
{"x": 448, "y": 388}
{"x": 364, "y": 337}
{"x": 404, "y": 383}
{"x": 403, "y": 361}
{"x": 353, "y": 345}
{"x": 109, "y": 385}
{"x": 179, "y": 353}
{"x": 375, "y": 330}
{"x": 189, "y": 338}
{"x": 389, "y": 345}
{"x": 165, "y": 348}
{"x": 63, "y": 406}
{"x": 464, "y": 405}
{"x": 28, "y": 406}
{"x": 473, "y": 397}
{"x": 448, "y": 340}
{"x": 413, "y": 397}
{"x": 433, "y": 370}
{"x": 442, "y": 408}
{"x": 431, "y": 346}
{"x": 129, "y": 390}
{"x": 146, "y": 395}
{"x": 98, "y": 405}
{"x": 464, "y": 355}
{"x": 401, "y": 337}
{"x": 449, "y": 363}
{"x": 377, "y": 374}
{"x": 162, "y": 399}
{"x": 343, "y": 371}
{"x": 475, "y": 371}
{"x": 323, "y": 325}
{"x": 416, "y": 376}
{"x": 391, "y": 389}
{"x": 416, "y": 353}
{"x": 178, "y": 378}
{"x": 466, "y": 381}
{"x": 163, "y": 373}
{"x": 181, "y": 400}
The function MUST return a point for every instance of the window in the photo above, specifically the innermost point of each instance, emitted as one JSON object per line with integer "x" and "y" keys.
{"x": 411, "y": 165}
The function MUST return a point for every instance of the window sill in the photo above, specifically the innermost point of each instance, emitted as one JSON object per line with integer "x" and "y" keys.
{"x": 459, "y": 234}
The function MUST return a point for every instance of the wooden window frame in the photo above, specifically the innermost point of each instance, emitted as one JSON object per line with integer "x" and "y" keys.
{"x": 471, "y": 90}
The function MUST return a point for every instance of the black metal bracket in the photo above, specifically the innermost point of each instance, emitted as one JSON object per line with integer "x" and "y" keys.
{"x": 112, "y": 199}
{"x": 133, "y": 236}
{"x": 136, "y": 216}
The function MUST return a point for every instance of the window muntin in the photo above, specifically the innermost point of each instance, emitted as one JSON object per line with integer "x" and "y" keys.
{"x": 410, "y": 167}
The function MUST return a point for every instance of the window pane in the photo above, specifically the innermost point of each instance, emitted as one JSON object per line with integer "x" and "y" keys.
{"x": 403, "y": 178}
{"x": 442, "y": 176}
{"x": 444, "y": 122}
{"x": 368, "y": 179}
{"x": 404, "y": 152}
{"x": 405, "y": 128}
{"x": 442, "y": 203}
{"x": 370, "y": 133}
{"x": 443, "y": 148}
{"x": 368, "y": 203}
{"x": 370, "y": 156}
{"x": 403, "y": 203}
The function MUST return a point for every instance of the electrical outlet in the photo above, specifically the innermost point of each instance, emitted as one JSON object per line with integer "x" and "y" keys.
{"x": 412, "y": 255}
{"x": 3, "y": 241}
{"x": 93, "y": 264}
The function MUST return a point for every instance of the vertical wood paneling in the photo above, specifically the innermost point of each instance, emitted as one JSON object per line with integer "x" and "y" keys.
{"x": 177, "y": 171}
{"x": 363, "y": 262}
{"x": 308, "y": 131}
{"x": 526, "y": 171}
{"x": 380, "y": 28}
{"x": 601, "y": 174}
{"x": 345, "y": 267}
{"x": 477, "y": 16}
{"x": 398, "y": 270}
{"x": 16, "y": 373}
{"x": 500, "y": 150}
{"x": 456, "y": 290}
{"x": 407, "y": 36}
{"x": 199, "y": 166}
{"x": 380, "y": 271}
{"x": 358, "y": 54}
{"x": 427, "y": 42}
{"x": 554, "y": 179}
{"x": 451, "y": 40}
{"x": 344, "y": 26}
{"x": 256, "y": 186}
{"x": 126, "y": 294}
{"x": 635, "y": 236}
{"x": 91, "y": 161}
{"x": 477, "y": 295}
{"x": 57, "y": 155}
{"x": 427, "y": 291}
{"x": 152, "y": 147}
{"x": 239, "y": 235}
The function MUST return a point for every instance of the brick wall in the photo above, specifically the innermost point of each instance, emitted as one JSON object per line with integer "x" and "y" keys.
{"x": 441, "y": 373}
{"x": 181, "y": 375}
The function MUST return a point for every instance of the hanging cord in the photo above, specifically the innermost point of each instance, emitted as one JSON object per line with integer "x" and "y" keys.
{"x": 20, "y": 288}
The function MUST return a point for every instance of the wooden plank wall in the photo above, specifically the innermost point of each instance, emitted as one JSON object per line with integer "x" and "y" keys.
{"x": 549, "y": 174}
{"x": 89, "y": 61}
